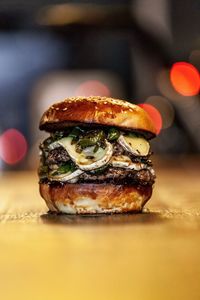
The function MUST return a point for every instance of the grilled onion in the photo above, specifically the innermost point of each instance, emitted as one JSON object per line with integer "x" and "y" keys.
{"x": 138, "y": 146}
{"x": 65, "y": 177}
{"x": 123, "y": 161}
{"x": 88, "y": 159}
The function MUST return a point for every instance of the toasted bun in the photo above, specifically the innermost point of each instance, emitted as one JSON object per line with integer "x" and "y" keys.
{"x": 94, "y": 198}
{"x": 100, "y": 111}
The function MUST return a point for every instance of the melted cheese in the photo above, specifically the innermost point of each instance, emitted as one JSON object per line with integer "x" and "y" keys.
{"x": 123, "y": 161}
{"x": 70, "y": 176}
{"x": 134, "y": 144}
{"x": 83, "y": 160}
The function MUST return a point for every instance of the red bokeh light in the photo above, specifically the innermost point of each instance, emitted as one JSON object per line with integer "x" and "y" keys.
{"x": 154, "y": 115}
{"x": 92, "y": 88}
{"x": 185, "y": 79}
{"x": 13, "y": 146}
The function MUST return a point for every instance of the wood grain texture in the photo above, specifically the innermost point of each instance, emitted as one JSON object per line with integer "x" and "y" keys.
{"x": 154, "y": 255}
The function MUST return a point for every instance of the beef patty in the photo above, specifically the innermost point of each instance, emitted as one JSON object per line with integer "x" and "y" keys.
{"x": 114, "y": 176}
{"x": 120, "y": 176}
{"x": 57, "y": 156}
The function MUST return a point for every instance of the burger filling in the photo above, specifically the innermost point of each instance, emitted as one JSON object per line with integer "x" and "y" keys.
{"x": 82, "y": 155}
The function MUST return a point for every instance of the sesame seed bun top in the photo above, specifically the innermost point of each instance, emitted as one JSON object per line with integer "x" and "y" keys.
{"x": 97, "y": 111}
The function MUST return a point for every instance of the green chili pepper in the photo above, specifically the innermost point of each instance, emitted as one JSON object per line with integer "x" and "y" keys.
{"x": 66, "y": 168}
{"x": 113, "y": 134}
{"x": 76, "y": 131}
{"x": 87, "y": 142}
{"x": 54, "y": 137}
{"x": 96, "y": 148}
{"x": 57, "y": 135}
{"x": 75, "y": 134}
{"x": 92, "y": 138}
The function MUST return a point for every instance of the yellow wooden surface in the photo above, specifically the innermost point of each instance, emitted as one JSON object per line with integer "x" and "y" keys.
{"x": 155, "y": 255}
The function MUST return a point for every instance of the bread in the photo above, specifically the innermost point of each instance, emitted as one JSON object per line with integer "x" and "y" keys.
{"x": 99, "y": 111}
{"x": 94, "y": 198}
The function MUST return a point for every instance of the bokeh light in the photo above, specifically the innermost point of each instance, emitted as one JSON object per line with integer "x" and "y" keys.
{"x": 13, "y": 146}
{"x": 165, "y": 87}
{"x": 165, "y": 108}
{"x": 92, "y": 88}
{"x": 154, "y": 115}
{"x": 185, "y": 79}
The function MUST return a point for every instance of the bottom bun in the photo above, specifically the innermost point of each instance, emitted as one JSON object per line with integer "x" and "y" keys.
{"x": 94, "y": 198}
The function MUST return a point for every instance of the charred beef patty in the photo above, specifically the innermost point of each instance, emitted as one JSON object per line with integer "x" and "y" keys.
{"x": 57, "y": 156}
{"x": 115, "y": 176}
{"x": 60, "y": 155}
{"x": 118, "y": 176}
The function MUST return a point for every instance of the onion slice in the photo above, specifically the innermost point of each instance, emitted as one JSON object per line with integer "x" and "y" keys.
{"x": 100, "y": 158}
{"x": 100, "y": 162}
{"x": 65, "y": 177}
{"x": 138, "y": 146}
{"x": 125, "y": 162}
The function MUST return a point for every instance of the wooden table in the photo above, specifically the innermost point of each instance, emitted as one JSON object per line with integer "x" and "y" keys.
{"x": 154, "y": 255}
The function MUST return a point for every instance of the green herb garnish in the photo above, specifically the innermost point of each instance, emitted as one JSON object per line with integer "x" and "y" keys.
{"x": 92, "y": 138}
{"x": 54, "y": 137}
{"x": 76, "y": 131}
{"x": 96, "y": 148}
{"x": 113, "y": 134}
{"x": 75, "y": 134}
{"x": 57, "y": 135}
{"x": 65, "y": 168}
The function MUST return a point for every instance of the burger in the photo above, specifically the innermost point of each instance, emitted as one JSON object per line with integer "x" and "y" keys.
{"x": 97, "y": 157}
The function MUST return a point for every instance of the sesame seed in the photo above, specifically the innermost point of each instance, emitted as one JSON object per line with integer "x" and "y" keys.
{"x": 57, "y": 108}
{"x": 64, "y": 108}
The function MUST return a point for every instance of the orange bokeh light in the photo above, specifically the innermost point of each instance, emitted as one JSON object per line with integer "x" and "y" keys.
{"x": 13, "y": 146}
{"x": 185, "y": 79}
{"x": 92, "y": 88}
{"x": 154, "y": 115}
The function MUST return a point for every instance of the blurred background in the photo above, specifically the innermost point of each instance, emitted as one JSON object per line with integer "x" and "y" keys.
{"x": 146, "y": 51}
